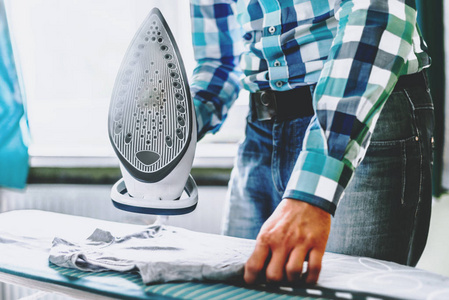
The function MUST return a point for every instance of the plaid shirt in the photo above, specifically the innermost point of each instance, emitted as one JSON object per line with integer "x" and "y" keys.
{"x": 354, "y": 50}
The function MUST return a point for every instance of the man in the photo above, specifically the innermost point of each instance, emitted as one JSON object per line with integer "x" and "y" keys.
{"x": 320, "y": 73}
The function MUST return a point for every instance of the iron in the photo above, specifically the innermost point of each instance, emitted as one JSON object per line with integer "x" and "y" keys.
{"x": 152, "y": 125}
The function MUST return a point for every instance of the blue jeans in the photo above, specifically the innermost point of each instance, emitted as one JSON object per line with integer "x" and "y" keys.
{"x": 385, "y": 211}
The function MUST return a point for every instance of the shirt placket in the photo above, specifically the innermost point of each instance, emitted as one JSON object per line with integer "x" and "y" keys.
{"x": 271, "y": 44}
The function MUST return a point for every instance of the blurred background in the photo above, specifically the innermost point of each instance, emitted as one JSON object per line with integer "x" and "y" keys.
{"x": 68, "y": 53}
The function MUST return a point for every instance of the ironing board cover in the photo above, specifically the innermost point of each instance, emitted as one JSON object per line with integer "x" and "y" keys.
{"x": 26, "y": 235}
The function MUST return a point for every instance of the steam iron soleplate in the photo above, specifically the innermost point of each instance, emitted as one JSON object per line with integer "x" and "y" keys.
{"x": 152, "y": 125}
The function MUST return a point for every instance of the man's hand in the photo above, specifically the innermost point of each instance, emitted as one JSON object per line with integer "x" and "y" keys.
{"x": 294, "y": 233}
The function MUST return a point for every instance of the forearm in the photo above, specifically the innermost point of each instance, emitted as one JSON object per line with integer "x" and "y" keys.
{"x": 217, "y": 46}
{"x": 214, "y": 88}
{"x": 372, "y": 48}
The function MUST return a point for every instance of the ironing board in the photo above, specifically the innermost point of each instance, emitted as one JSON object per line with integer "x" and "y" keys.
{"x": 26, "y": 235}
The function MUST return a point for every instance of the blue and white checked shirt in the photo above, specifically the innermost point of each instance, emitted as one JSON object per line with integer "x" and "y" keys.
{"x": 354, "y": 50}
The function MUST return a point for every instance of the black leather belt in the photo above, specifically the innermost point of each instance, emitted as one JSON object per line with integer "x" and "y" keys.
{"x": 266, "y": 105}
{"x": 297, "y": 103}
{"x": 412, "y": 80}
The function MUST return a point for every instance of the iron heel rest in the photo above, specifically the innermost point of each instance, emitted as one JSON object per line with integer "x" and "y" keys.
{"x": 152, "y": 125}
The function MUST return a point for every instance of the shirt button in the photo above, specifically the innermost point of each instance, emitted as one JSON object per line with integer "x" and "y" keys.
{"x": 279, "y": 84}
{"x": 272, "y": 29}
{"x": 277, "y": 63}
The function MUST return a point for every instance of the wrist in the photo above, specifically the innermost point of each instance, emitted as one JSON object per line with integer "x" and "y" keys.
{"x": 311, "y": 200}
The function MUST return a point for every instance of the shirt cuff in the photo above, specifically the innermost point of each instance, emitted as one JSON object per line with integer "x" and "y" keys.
{"x": 319, "y": 180}
{"x": 205, "y": 117}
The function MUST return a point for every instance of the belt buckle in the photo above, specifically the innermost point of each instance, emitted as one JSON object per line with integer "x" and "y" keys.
{"x": 266, "y": 106}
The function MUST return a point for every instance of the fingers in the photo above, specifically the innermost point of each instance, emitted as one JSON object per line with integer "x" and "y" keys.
{"x": 279, "y": 265}
{"x": 275, "y": 268}
{"x": 293, "y": 268}
{"x": 256, "y": 263}
{"x": 314, "y": 268}
{"x": 296, "y": 231}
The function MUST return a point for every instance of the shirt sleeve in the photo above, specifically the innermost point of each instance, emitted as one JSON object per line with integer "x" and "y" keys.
{"x": 373, "y": 46}
{"x": 217, "y": 43}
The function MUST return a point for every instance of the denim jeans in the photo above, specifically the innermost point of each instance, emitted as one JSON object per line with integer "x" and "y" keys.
{"x": 385, "y": 211}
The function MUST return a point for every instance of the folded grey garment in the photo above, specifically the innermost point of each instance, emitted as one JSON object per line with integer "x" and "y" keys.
{"x": 160, "y": 254}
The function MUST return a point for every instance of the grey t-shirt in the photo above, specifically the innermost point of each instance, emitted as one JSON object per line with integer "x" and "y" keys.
{"x": 160, "y": 254}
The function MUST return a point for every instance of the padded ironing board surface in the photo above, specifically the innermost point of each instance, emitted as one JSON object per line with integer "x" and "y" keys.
{"x": 26, "y": 235}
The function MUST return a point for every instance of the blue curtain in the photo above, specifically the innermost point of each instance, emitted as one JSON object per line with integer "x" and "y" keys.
{"x": 14, "y": 133}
